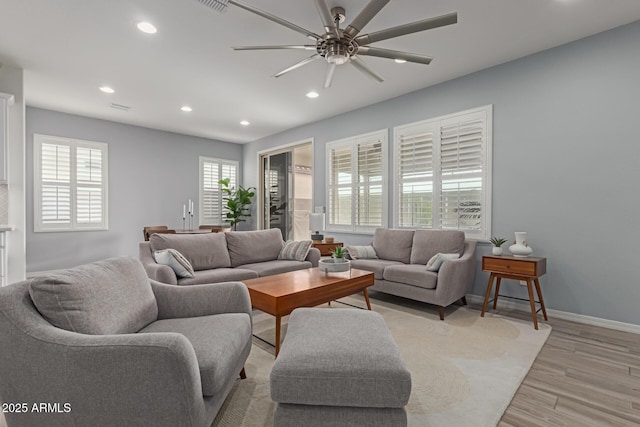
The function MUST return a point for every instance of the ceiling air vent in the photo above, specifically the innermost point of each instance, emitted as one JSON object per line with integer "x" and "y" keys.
{"x": 119, "y": 106}
{"x": 217, "y": 5}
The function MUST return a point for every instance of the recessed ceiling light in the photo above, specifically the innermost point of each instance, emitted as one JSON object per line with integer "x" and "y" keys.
{"x": 186, "y": 109}
{"x": 147, "y": 27}
{"x": 106, "y": 89}
{"x": 245, "y": 123}
{"x": 312, "y": 94}
{"x": 400, "y": 61}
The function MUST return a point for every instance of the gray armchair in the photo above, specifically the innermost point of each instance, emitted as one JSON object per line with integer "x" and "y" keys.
{"x": 107, "y": 347}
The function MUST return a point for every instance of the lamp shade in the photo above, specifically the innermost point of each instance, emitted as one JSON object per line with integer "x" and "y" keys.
{"x": 316, "y": 221}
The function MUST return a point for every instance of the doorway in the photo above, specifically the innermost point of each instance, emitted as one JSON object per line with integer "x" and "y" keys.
{"x": 286, "y": 176}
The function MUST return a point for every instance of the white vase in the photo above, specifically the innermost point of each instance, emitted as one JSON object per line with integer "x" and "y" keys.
{"x": 521, "y": 248}
{"x": 496, "y": 250}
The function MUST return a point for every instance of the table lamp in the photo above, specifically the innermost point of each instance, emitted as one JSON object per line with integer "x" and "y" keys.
{"x": 316, "y": 224}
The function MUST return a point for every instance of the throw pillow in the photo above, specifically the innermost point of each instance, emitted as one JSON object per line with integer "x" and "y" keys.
{"x": 436, "y": 261}
{"x": 175, "y": 260}
{"x": 295, "y": 250}
{"x": 362, "y": 252}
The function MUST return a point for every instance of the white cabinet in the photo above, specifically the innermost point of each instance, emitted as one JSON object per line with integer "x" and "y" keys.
{"x": 6, "y": 101}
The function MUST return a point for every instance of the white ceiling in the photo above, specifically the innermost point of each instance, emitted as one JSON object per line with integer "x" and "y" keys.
{"x": 68, "y": 48}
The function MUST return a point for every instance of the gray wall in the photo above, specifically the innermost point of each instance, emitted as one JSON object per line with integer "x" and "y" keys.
{"x": 566, "y": 163}
{"x": 152, "y": 174}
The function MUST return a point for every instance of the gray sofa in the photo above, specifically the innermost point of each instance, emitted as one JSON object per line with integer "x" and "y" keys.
{"x": 105, "y": 346}
{"x": 401, "y": 265}
{"x": 220, "y": 257}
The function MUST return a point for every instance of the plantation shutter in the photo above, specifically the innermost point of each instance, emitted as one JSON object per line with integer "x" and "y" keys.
{"x": 70, "y": 184}
{"x": 340, "y": 186}
{"x": 443, "y": 166}
{"x": 55, "y": 196}
{"x": 356, "y": 171}
{"x": 414, "y": 163}
{"x": 462, "y": 168}
{"x": 89, "y": 186}
{"x": 369, "y": 201}
{"x": 211, "y": 203}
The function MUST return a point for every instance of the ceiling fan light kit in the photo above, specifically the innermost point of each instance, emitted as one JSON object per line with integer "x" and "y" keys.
{"x": 345, "y": 46}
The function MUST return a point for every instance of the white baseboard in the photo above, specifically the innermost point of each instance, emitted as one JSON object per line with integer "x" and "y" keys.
{"x": 564, "y": 315}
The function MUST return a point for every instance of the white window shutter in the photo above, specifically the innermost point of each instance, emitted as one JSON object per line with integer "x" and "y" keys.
{"x": 70, "y": 183}
{"x": 461, "y": 167}
{"x": 414, "y": 163}
{"x": 356, "y": 188}
{"x": 89, "y": 206}
{"x": 443, "y": 167}
{"x": 211, "y": 196}
{"x": 340, "y": 189}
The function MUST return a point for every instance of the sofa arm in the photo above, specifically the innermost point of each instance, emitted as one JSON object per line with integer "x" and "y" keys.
{"x": 455, "y": 277}
{"x": 201, "y": 300}
{"x": 313, "y": 256}
{"x": 132, "y": 379}
{"x": 155, "y": 271}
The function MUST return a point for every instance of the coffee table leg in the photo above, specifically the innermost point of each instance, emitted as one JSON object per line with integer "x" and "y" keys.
{"x": 366, "y": 298}
{"x": 278, "y": 319}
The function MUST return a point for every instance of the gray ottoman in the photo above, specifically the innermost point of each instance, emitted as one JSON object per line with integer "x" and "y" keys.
{"x": 339, "y": 367}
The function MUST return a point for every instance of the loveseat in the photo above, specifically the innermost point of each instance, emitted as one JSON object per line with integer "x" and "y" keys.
{"x": 399, "y": 262}
{"x": 220, "y": 257}
{"x": 102, "y": 345}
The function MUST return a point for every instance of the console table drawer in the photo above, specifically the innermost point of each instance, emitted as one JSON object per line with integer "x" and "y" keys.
{"x": 510, "y": 265}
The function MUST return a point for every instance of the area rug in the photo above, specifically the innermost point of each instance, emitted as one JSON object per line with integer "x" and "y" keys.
{"x": 465, "y": 370}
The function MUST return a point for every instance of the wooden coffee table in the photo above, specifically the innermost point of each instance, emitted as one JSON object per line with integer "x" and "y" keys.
{"x": 280, "y": 294}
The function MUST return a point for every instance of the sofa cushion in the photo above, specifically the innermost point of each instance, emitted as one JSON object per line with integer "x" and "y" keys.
{"x": 295, "y": 250}
{"x": 411, "y": 274}
{"x": 436, "y": 261}
{"x": 393, "y": 245}
{"x": 101, "y": 298}
{"x": 174, "y": 259}
{"x": 203, "y": 251}
{"x": 218, "y": 342}
{"x": 218, "y": 275}
{"x": 248, "y": 247}
{"x": 427, "y": 243}
{"x": 269, "y": 268}
{"x": 377, "y": 266}
{"x": 362, "y": 252}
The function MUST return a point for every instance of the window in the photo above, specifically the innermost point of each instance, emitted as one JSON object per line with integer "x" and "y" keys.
{"x": 70, "y": 184}
{"x": 443, "y": 167}
{"x": 212, "y": 171}
{"x": 356, "y": 191}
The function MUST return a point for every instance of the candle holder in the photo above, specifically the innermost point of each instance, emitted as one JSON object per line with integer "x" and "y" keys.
{"x": 183, "y": 221}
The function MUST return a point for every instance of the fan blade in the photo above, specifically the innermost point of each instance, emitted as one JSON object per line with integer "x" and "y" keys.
{"x": 330, "y": 70}
{"x": 360, "y": 65}
{"x": 327, "y": 19}
{"x": 414, "y": 27}
{"x": 393, "y": 54}
{"x": 365, "y": 15}
{"x": 298, "y": 46}
{"x": 276, "y": 19}
{"x": 298, "y": 65}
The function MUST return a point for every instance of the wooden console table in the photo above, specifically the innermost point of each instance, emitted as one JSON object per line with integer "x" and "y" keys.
{"x": 326, "y": 248}
{"x": 528, "y": 269}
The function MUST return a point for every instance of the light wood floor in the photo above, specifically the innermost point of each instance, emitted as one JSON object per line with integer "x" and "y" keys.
{"x": 583, "y": 376}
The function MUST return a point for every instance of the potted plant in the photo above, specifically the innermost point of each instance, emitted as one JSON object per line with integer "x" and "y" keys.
{"x": 338, "y": 254}
{"x": 236, "y": 202}
{"x": 497, "y": 243}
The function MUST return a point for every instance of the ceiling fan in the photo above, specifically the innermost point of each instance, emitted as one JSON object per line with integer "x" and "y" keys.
{"x": 341, "y": 46}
